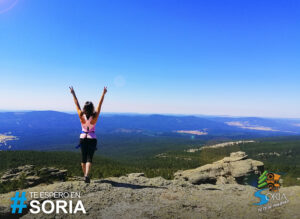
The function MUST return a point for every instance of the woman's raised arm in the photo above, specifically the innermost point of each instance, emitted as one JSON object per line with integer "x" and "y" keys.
{"x": 77, "y": 105}
{"x": 98, "y": 110}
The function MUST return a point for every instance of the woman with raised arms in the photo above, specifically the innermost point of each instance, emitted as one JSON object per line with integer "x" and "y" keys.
{"x": 88, "y": 140}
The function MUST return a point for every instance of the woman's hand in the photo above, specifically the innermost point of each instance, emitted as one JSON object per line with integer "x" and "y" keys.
{"x": 104, "y": 90}
{"x": 72, "y": 90}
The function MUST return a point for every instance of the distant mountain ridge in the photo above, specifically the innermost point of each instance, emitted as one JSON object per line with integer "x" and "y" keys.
{"x": 12, "y": 121}
{"x": 51, "y": 127}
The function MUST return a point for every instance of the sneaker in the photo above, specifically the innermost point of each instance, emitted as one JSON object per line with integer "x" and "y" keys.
{"x": 87, "y": 179}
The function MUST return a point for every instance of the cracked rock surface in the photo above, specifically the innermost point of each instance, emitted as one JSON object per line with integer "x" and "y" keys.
{"x": 135, "y": 196}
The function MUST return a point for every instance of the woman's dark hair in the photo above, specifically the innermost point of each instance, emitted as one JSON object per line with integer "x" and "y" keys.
{"x": 88, "y": 109}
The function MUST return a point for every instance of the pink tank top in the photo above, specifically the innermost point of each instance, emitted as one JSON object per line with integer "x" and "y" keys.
{"x": 88, "y": 130}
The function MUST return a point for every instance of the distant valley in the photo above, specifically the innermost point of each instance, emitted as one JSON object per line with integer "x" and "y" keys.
{"x": 130, "y": 134}
{"x": 157, "y": 145}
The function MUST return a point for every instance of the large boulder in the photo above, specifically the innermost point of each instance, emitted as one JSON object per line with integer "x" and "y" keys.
{"x": 230, "y": 170}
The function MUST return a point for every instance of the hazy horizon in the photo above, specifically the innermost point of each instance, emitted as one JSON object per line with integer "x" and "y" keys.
{"x": 170, "y": 114}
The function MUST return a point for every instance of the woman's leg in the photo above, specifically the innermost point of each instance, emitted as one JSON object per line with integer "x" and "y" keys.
{"x": 83, "y": 156}
{"x": 90, "y": 154}
{"x": 88, "y": 168}
{"x": 83, "y": 165}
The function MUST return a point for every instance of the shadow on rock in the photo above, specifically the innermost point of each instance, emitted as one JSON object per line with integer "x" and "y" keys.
{"x": 128, "y": 185}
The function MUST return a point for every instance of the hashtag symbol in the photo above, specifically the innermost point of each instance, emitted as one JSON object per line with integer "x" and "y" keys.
{"x": 16, "y": 200}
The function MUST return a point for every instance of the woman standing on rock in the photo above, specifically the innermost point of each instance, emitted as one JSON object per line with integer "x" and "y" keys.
{"x": 88, "y": 141}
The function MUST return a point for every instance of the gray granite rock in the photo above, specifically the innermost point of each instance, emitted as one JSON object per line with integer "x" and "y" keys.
{"x": 232, "y": 169}
{"x": 140, "y": 197}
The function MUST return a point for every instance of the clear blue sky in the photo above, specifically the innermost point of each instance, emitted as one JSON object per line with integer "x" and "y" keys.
{"x": 189, "y": 57}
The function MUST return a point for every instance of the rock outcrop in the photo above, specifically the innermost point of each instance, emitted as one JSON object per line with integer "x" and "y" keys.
{"x": 229, "y": 170}
{"x": 31, "y": 176}
{"x": 135, "y": 196}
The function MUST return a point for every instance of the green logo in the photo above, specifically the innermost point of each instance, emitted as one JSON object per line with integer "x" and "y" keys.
{"x": 270, "y": 180}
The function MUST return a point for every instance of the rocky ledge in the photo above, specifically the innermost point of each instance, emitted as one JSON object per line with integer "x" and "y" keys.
{"x": 136, "y": 196}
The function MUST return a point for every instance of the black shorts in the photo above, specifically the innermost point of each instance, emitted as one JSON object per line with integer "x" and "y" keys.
{"x": 88, "y": 147}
